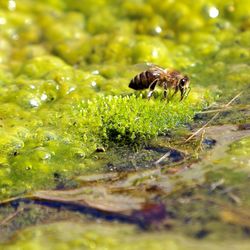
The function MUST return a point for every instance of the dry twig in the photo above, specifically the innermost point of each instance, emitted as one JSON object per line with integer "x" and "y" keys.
{"x": 11, "y": 217}
{"x": 212, "y": 119}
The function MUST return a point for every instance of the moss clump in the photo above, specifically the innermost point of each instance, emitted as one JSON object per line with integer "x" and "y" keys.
{"x": 64, "y": 75}
{"x": 132, "y": 119}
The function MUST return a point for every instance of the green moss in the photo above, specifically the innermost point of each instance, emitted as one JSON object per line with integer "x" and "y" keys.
{"x": 64, "y": 73}
{"x": 58, "y": 57}
{"x": 134, "y": 119}
{"x": 54, "y": 140}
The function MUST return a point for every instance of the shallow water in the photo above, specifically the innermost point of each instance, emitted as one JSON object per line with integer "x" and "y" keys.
{"x": 123, "y": 173}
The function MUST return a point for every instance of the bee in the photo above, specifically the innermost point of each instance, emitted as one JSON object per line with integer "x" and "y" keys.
{"x": 165, "y": 78}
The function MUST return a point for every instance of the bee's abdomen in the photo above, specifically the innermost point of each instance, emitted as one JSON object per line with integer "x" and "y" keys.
{"x": 141, "y": 81}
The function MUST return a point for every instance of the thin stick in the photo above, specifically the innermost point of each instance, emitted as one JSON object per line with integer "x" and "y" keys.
{"x": 235, "y": 107}
{"x": 213, "y": 118}
{"x": 200, "y": 147}
{"x": 162, "y": 158}
{"x": 10, "y": 217}
{"x": 212, "y": 111}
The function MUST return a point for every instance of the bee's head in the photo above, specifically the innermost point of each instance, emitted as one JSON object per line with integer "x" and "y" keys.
{"x": 184, "y": 82}
{"x": 184, "y": 86}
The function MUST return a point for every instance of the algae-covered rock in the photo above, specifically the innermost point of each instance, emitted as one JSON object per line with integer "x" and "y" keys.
{"x": 65, "y": 67}
{"x": 40, "y": 66}
{"x": 57, "y": 57}
{"x": 103, "y": 236}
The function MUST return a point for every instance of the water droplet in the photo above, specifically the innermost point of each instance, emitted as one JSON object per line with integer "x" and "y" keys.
{"x": 158, "y": 29}
{"x": 44, "y": 97}
{"x": 2, "y": 20}
{"x": 34, "y": 103}
{"x": 213, "y": 12}
{"x": 155, "y": 53}
{"x": 93, "y": 84}
{"x": 95, "y": 72}
{"x": 71, "y": 89}
{"x": 12, "y": 5}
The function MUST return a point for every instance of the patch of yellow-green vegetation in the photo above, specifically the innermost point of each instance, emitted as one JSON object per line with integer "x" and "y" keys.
{"x": 64, "y": 72}
{"x": 105, "y": 237}
{"x": 234, "y": 165}
{"x": 229, "y": 169}
{"x": 236, "y": 157}
{"x": 43, "y": 144}
{"x": 134, "y": 119}
{"x": 240, "y": 148}
{"x": 64, "y": 76}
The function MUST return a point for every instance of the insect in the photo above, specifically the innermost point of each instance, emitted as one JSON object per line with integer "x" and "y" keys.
{"x": 165, "y": 78}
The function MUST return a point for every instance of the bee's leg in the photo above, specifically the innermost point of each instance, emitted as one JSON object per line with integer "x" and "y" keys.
{"x": 175, "y": 91}
{"x": 182, "y": 93}
{"x": 152, "y": 88}
{"x": 165, "y": 86}
{"x": 165, "y": 94}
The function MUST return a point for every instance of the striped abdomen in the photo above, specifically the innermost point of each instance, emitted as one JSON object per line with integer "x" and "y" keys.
{"x": 142, "y": 80}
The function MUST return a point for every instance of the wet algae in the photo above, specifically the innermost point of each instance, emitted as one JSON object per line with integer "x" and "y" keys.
{"x": 64, "y": 73}
{"x": 54, "y": 110}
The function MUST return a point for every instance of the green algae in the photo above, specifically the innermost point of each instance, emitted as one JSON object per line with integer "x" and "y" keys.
{"x": 240, "y": 148}
{"x": 64, "y": 75}
{"x": 47, "y": 128}
{"x": 236, "y": 159}
{"x": 58, "y": 141}
{"x": 79, "y": 236}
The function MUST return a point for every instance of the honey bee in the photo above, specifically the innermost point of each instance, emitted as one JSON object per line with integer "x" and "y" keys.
{"x": 165, "y": 78}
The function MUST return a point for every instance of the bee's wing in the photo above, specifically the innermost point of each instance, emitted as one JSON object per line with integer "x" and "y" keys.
{"x": 150, "y": 67}
{"x": 142, "y": 66}
{"x": 145, "y": 66}
{"x": 156, "y": 70}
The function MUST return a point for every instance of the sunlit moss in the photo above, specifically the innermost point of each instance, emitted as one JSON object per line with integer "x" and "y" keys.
{"x": 65, "y": 69}
{"x": 58, "y": 140}
{"x": 132, "y": 119}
